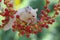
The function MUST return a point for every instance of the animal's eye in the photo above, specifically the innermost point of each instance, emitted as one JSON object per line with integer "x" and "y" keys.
{"x": 28, "y": 7}
{"x": 29, "y": 12}
{"x": 33, "y": 16}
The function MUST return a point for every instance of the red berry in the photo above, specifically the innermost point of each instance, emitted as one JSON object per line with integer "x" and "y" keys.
{"x": 56, "y": 13}
{"x": 55, "y": 9}
{"x": 42, "y": 11}
{"x": 47, "y": 18}
{"x": 13, "y": 26}
{"x": 42, "y": 25}
{"x": 28, "y": 27}
{"x": 30, "y": 31}
{"x": 50, "y": 22}
{"x": 13, "y": 30}
{"x": 22, "y": 32}
{"x": 46, "y": 26}
{"x": 40, "y": 30}
{"x": 35, "y": 32}
{"x": 45, "y": 15}
{"x": 17, "y": 16}
{"x": 53, "y": 20}
{"x": 6, "y": 13}
{"x": 48, "y": 10}
{"x": 15, "y": 12}
{"x": 47, "y": 1}
{"x": 27, "y": 36}
{"x": 42, "y": 19}
{"x": 6, "y": 9}
{"x": 45, "y": 7}
{"x": 0, "y": 0}
{"x": 20, "y": 27}
{"x": 7, "y": 19}
{"x": 5, "y": 2}
{"x": 12, "y": 16}
{"x": 55, "y": 6}
{"x": 3, "y": 21}
{"x": 10, "y": 5}
{"x": 58, "y": 5}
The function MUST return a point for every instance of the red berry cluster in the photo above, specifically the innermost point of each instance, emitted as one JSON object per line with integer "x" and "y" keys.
{"x": 22, "y": 27}
{"x": 56, "y": 9}
{"x": 8, "y": 12}
{"x": 45, "y": 19}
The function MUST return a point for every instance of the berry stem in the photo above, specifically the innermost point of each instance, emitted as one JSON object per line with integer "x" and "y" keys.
{"x": 59, "y": 1}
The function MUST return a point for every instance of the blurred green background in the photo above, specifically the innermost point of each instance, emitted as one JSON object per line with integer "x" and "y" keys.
{"x": 52, "y": 33}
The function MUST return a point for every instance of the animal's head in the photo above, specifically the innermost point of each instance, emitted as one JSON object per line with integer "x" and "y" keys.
{"x": 32, "y": 11}
{"x": 27, "y": 13}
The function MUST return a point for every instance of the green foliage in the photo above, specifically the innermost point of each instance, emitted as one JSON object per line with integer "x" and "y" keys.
{"x": 53, "y": 32}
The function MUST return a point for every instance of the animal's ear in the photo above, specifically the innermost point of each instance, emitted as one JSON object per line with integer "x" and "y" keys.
{"x": 36, "y": 10}
{"x": 29, "y": 7}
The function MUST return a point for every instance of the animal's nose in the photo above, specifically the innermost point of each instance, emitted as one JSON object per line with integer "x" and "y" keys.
{"x": 29, "y": 18}
{"x": 33, "y": 16}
